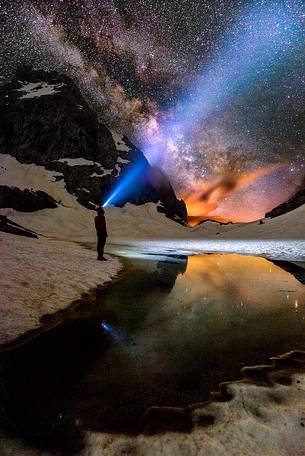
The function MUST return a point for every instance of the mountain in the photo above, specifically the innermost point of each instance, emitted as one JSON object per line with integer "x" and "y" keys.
{"x": 293, "y": 203}
{"x": 45, "y": 120}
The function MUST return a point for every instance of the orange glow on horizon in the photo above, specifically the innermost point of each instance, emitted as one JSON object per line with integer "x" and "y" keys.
{"x": 205, "y": 198}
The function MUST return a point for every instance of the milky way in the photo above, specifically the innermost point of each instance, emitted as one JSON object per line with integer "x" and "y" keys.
{"x": 139, "y": 63}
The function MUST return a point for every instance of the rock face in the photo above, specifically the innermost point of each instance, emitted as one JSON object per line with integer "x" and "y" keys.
{"x": 45, "y": 120}
{"x": 8, "y": 226}
{"x": 294, "y": 202}
{"x": 25, "y": 200}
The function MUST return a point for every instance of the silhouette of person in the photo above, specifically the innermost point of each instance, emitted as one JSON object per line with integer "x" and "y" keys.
{"x": 101, "y": 231}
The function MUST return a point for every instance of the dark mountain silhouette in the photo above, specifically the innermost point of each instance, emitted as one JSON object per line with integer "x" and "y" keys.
{"x": 44, "y": 119}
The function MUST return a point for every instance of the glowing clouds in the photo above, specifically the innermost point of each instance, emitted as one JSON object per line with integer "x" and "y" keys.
{"x": 206, "y": 196}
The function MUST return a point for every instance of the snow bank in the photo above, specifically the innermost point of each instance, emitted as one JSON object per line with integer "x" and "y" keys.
{"x": 257, "y": 421}
{"x": 40, "y": 277}
{"x": 69, "y": 221}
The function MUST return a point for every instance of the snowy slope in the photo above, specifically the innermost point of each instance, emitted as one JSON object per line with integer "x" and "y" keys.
{"x": 30, "y": 285}
{"x": 71, "y": 221}
{"x": 287, "y": 226}
{"x": 30, "y": 268}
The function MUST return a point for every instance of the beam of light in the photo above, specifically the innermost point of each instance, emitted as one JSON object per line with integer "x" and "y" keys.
{"x": 256, "y": 46}
{"x": 125, "y": 186}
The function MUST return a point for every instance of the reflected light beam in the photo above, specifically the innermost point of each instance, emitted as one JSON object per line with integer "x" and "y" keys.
{"x": 115, "y": 334}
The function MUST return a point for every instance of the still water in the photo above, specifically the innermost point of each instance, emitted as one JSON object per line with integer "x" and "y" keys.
{"x": 166, "y": 334}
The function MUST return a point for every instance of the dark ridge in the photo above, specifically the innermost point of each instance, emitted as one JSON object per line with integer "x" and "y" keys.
{"x": 48, "y": 128}
{"x": 294, "y": 202}
{"x": 8, "y": 226}
{"x": 25, "y": 200}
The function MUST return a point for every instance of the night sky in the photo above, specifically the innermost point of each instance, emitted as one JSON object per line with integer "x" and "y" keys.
{"x": 211, "y": 91}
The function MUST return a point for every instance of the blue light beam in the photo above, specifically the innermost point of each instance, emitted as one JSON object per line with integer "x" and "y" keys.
{"x": 124, "y": 185}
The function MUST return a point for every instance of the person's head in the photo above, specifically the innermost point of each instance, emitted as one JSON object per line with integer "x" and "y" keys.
{"x": 100, "y": 211}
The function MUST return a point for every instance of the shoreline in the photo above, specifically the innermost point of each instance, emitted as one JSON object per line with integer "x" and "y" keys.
{"x": 40, "y": 277}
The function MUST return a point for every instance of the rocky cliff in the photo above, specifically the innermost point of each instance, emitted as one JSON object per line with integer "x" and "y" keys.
{"x": 45, "y": 120}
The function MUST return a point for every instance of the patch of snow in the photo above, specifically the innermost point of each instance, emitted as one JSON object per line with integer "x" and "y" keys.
{"x": 30, "y": 271}
{"x": 69, "y": 220}
{"x": 122, "y": 160}
{"x": 290, "y": 250}
{"x": 119, "y": 141}
{"x": 105, "y": 172}
{"x": 78, "y": 162}
{"x": 39, "y": 89}
{"x": 258, "y": 420}
{"x": 84, "y": 189}
{"x": 118, "y": 168}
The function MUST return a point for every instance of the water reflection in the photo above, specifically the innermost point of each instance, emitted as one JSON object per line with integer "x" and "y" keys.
{"x": 181, "y": 328}
{"x": 224, "y": 307}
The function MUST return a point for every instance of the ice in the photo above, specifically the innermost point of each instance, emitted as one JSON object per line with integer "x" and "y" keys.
{"x": 289, "y": 250}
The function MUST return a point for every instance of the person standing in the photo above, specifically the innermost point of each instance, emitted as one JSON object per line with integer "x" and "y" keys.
{"x": 101, "y": 231}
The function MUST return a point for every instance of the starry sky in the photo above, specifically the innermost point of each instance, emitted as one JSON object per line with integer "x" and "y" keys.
{"x": 211, "y": 91}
